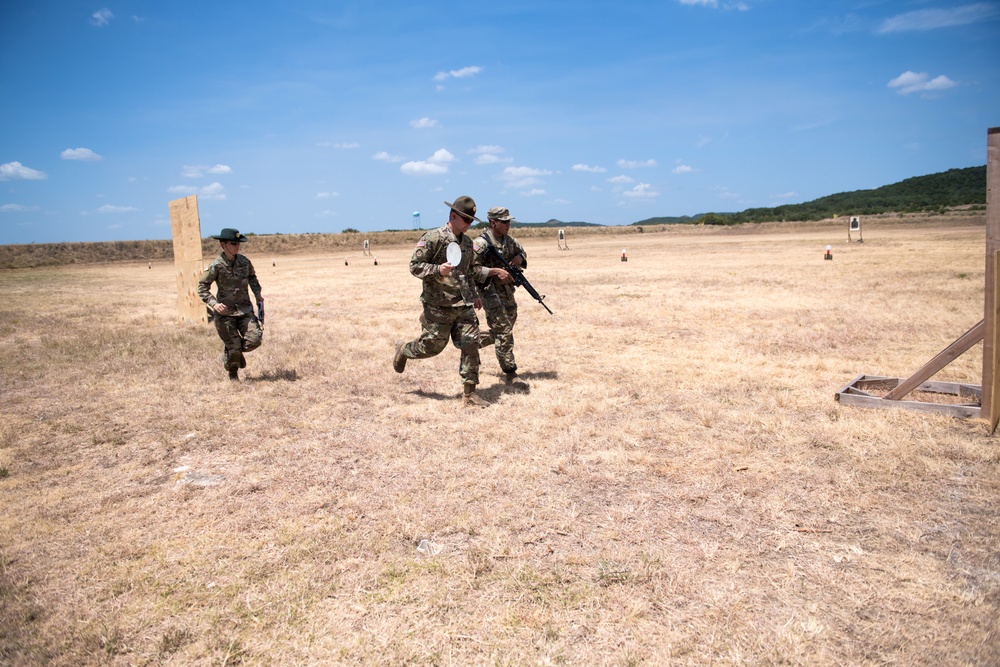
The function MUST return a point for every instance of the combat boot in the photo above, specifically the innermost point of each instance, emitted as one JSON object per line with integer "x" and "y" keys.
{"x": 234, "y": 374}
{"x": 399, "y": 361}
{"x": 471, "y": 399}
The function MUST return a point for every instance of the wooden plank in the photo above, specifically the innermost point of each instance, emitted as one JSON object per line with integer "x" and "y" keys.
{"x": 990, "y": 374}
{"x": 186, "y": 228}
{"x": 993, "y": 409}
{"x": 965, "y": 411}
{"x": 942, "y": 359}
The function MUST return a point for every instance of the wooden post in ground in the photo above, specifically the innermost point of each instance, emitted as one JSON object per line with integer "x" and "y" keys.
{"x": 186, "y": 226}
{"x": 990, "y": 375}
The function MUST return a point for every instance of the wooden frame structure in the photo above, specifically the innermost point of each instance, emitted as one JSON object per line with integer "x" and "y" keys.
{"x": 854, "y": 225}
{"x": 986, "y": 398}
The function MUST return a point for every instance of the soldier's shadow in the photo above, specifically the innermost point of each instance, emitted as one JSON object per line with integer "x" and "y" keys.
{"x": 437, "y": 396}
{"x": 280, "y": 375}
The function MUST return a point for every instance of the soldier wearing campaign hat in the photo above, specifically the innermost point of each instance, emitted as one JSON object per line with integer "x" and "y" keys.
{"x": 232, "y": 311}
{"x": 498, "y": 290}
{"x": 449, "y": 297}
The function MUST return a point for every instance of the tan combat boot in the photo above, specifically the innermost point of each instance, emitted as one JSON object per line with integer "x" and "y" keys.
{"x": 471, "y": 399}
{"x": 399, "y": 360}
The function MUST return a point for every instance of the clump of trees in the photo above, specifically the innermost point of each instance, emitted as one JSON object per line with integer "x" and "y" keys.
{"x": 932, "y": 193}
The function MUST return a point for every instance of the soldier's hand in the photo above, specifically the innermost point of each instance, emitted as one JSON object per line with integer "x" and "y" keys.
{"x": 517, "y": 260}
{"x": 446, "y": 268}
{"x": 501, "y": 274}
{"x": 220, "y": 308}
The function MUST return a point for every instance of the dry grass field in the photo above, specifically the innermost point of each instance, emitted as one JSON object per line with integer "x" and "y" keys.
{"x": 674, "y": 485}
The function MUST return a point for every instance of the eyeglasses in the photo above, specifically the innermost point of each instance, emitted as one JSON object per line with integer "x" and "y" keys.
{"x": 232, "y": 242}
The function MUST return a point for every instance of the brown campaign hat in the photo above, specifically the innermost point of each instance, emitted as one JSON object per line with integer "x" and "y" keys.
{"x": 231, "y": 235}
{"x": 464, "y": 206}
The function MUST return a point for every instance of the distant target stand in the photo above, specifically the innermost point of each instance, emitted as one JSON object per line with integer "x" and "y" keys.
{"x": 561, "y": 236}
{"x": 854, "y": 225}
{"x": 967, "y": 400}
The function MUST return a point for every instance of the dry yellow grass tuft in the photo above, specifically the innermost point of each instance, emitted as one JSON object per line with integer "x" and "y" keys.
{"x": 674, "y": 485}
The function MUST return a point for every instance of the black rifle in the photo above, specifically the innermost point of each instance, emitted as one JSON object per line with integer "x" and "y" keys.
{"x": 260, "y": 313}
{"x": 515, "y": 273}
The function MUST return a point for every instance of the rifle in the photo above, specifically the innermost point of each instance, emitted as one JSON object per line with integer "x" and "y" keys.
{"x": 515, "y": 273}
{"x": 260, "y": 313}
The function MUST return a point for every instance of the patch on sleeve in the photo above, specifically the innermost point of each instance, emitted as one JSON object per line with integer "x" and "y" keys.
{"x": 421, "y": 243}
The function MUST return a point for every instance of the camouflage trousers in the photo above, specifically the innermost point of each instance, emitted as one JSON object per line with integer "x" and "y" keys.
{"x": 239, "y": 334}
{"x": 501, "y": 316}
{"x": 438, "y": 325}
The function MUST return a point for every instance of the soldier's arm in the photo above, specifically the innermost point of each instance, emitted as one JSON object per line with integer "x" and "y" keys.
{"x": 254, "y": 283}
{"x": 421, "y": 262}
{"x": 523, "y": 264}
{"x": 204, "y": 283}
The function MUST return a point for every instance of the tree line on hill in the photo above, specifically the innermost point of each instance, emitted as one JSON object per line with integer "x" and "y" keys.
{"x": 931, "y": 193}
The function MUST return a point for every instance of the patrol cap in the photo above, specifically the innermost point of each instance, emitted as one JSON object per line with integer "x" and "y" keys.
{"x": 464, "y": 206}
{"x": 500, "y": 214}
{"x": 231, "y": 235}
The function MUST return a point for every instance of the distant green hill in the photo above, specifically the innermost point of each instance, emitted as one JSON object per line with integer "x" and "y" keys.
{"x": 935, "y": 192}
{"x": 551, "y": 223}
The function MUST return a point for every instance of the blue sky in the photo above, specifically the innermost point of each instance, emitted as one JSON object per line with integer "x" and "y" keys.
{"x": 309, "y": 116}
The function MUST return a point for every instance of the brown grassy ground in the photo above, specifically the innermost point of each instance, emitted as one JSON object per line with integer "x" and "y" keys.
{"x": 676, "y": 484}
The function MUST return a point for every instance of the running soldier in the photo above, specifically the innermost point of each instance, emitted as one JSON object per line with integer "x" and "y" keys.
{"x": 232, "y": 274}
{"x": 449, "y": 297}
{"x": 498, "y": 289}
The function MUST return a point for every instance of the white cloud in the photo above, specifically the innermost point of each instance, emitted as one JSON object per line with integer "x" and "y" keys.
{"x": 386, "y": 157}
{"x": 424, "y": 123}
{"x": 480, "y": 150}
{"x": 620, "y": 180}
{"x": 920, "y": 82}
{"x": 214, "y": 191}
{"x": 682, "y": 169}
{"x": 15, "y": 171}
{"x": 326, "y": 195}
{"x": 534, "y": 192}
{"x": 197, "y": 171}
{"x": 635, "y": 164}
{"x": 489, "y": 155}
{"x": 434, "y": 165}
{"x": 101, "y": 17}
{"x": 641, "y": 191}
{"x": 703, "y": 3}
{"x": 523, "y": 177}
{"x": 423, "y": 168}
{"x": 17, "y": 208}
{"x": 930, "y": 19}
{"x": 458, "y": 73}
{"x": 108, "y": 208}
{"x": 587, "y": 168}
{"x": 492, "y": 159}
{"x": 347, "y": 145}
{"x": 80, "y": 154}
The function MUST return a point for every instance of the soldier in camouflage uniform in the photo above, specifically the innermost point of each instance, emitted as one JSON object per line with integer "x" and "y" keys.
{"x": 498, "y": 291}
{"x": 450, "y": 297}
{"x": 232, "y": 273}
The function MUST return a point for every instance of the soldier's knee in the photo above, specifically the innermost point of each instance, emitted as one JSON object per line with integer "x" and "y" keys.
{"x": 253, "y": 338}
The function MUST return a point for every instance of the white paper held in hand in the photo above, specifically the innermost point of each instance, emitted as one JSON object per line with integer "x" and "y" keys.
{"x": 454, "y": 254}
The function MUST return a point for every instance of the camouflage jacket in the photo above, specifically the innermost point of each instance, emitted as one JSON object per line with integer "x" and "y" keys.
{"x": 231, "y": 280}
{"x": 483, "y": 261}
{"x": 453, "y": 290}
